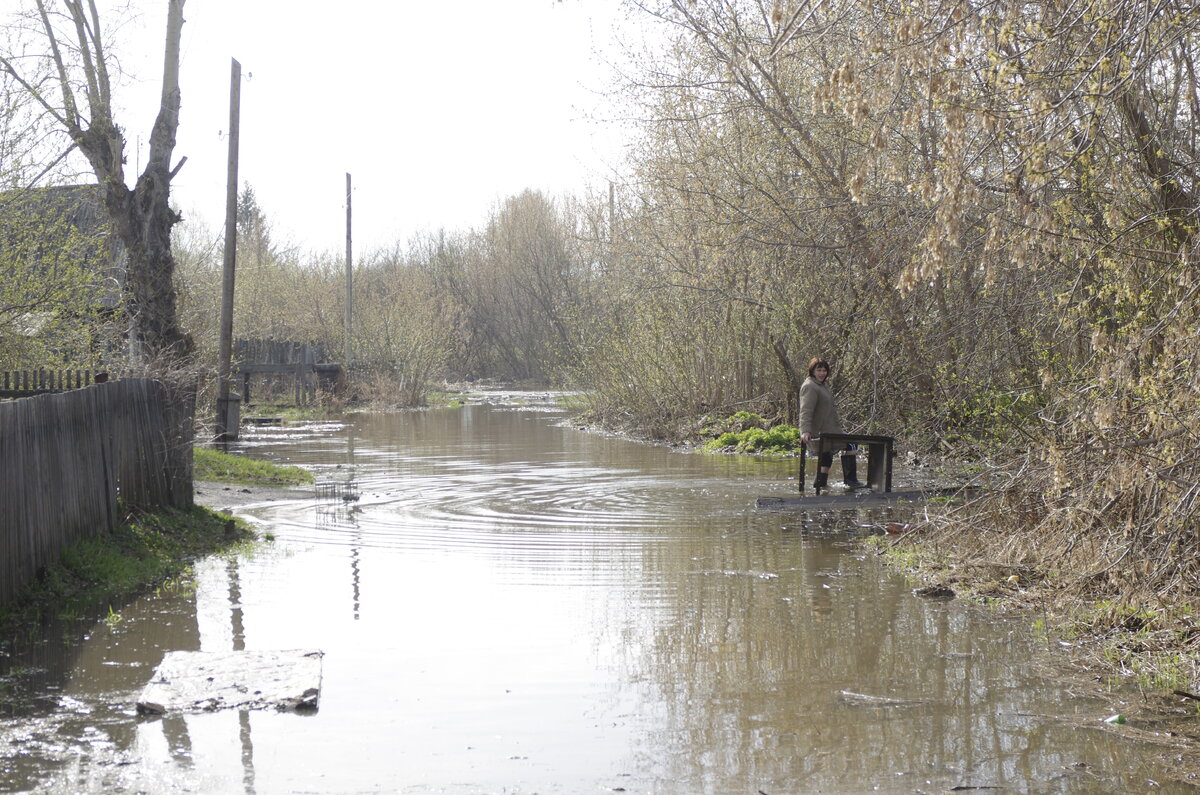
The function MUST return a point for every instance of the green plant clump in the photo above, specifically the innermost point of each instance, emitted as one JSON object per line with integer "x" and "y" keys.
{"x": 777, "y": 440}
{"x": 209, "y": 464}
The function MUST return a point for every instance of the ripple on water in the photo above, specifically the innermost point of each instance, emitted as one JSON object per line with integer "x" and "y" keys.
{"x": 520, "y": 504}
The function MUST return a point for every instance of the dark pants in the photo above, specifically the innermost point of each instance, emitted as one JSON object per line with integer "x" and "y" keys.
{"x": 825, "y": 459}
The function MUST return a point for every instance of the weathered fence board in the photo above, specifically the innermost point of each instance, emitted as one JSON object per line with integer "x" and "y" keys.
{"x": 68, "y": 460}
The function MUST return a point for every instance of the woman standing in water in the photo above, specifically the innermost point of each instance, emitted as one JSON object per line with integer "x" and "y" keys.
{"x": 818, "y": 416}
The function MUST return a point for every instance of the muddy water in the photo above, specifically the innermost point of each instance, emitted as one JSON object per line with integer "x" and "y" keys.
{"x": 512, "y": 605}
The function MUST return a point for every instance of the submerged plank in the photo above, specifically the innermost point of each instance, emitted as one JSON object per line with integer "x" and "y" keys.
{"x": 198, "y": 681}
{"x": 848, "y": 499}
{"x": 868, "y": 700}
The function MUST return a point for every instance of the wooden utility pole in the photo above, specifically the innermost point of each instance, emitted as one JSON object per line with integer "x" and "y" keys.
{"x": 225, "y": 351}
{"x": 347, "y": 357}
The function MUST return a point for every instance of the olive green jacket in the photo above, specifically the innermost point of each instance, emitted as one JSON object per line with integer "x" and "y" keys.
{"x": 818, "y": 415}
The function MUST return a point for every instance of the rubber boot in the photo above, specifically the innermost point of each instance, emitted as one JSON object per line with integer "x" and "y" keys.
{"x": 850, "y": 472}
{"x": 821, "y": 481}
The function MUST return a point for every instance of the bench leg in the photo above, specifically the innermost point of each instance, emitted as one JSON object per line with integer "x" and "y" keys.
{"x": 875, "y": 458}
{"x": 803, "y": 464}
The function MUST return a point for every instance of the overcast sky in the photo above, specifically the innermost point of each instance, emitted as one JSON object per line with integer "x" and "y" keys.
{"x": 436, "y": 109}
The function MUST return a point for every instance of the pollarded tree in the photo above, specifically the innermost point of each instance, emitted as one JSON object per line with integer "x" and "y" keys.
{"x": 81, "y": 105}
{"x": 75, "y": 52}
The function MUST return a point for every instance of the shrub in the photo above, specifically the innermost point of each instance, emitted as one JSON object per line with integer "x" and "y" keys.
{"x": 777, "y": 440}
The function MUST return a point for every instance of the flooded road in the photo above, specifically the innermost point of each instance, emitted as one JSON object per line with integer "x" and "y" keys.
{"x": 511, "y": 605}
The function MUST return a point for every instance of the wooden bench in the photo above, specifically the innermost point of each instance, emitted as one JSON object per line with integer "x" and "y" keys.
{"x": 880, "y": 453}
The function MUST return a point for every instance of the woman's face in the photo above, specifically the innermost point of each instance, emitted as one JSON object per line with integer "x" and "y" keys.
{"x": 820, "y": 372}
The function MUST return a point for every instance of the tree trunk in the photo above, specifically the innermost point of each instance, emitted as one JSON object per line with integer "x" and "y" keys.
{"x": 142, "y": 218}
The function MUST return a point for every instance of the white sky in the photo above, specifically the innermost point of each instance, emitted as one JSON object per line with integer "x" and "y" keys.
{"x": 438, "y": 109}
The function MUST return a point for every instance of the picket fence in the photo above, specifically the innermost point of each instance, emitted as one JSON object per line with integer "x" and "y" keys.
{"x": 25, "y": 383}
{"x": 71, "y": 462}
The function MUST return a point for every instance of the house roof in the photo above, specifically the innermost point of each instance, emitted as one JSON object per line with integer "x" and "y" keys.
{"x": 43, "y": 228}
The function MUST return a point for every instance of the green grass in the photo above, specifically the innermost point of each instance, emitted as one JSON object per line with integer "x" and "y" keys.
{"x": 146, "y": 549}
{"x": 575, "y": 402}
{"x": 439, "y": 399}
{"x": 209, "y": 464}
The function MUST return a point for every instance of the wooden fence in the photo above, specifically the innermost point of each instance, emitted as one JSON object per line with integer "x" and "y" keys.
{"x": 259, "y": 351}
{"x": 69, "y": 463}
{"x": 25, "y": 383}
{"x": 280, "y": 360}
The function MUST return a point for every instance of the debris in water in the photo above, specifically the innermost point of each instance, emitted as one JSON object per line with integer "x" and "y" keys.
{"x": 865, "y": 699}
{"x": 344, "y": 490}
{"x": 197, "y": 681}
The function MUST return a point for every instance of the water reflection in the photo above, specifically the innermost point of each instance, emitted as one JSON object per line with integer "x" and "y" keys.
{"x": 512, "y": 605}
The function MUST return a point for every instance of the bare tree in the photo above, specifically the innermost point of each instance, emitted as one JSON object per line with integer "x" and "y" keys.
{"x": 81, "y": 105}
{"x": 77, "y": 97}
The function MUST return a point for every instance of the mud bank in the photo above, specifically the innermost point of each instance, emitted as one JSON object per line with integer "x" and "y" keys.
{"x": 227, "y": 497}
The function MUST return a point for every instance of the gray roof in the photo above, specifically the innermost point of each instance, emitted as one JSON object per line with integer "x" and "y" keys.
{"x": 41, "y": 227}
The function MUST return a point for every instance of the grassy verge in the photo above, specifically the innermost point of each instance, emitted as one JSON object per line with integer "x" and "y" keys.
{"x": 215, "y": 465}
{"x": 1136, "y": 652}
{"x": 146, "y": 549}
{"x": 1122, "y": 639}
{"x": 442, "y": 399}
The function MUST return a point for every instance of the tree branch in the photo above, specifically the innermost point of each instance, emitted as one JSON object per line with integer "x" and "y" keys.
{"x": 33, "y": 92}
{"x": 70, "y": 118}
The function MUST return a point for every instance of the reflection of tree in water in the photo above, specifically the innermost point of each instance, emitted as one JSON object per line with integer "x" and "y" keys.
{"x": 761, "y": 631}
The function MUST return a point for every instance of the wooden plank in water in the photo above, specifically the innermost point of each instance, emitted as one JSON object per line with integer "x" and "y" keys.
{"x": 198, "y": 681}
{"x": 854, "y": 499}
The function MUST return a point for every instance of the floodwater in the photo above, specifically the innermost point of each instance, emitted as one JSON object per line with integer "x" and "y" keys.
{"x": 514, "y": 605}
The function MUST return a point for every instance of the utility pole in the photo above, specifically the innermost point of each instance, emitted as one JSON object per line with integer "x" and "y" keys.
{"x": 225, "y": 351}
{"x": 346, "y": 357}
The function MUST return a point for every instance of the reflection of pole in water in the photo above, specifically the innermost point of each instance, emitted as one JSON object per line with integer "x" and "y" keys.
{"x": 355, "y": 555}
{"x": 822, "y": 601}
{"x": 247, "y": 750}
{"x": 341, "y": 518}
{"x": 179, "y": 742}
{"x": 356, "y": 547}
{"x": 237, "y": 626}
